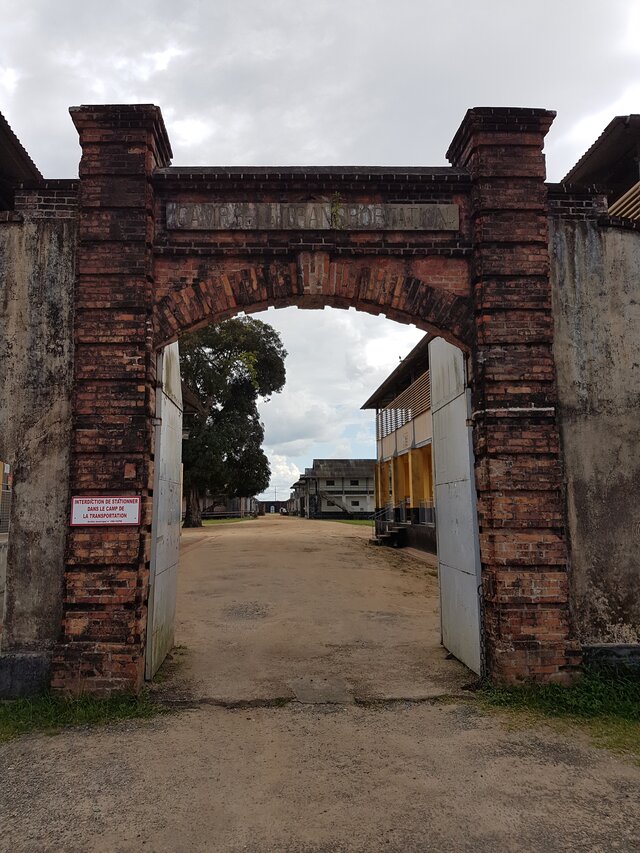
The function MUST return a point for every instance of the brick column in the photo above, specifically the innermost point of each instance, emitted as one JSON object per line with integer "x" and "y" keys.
{"x": 107, "y": 567}
{"x": 516, "y": 441}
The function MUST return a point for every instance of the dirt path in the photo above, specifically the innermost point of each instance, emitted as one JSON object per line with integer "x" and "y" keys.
{"x": 284, "y": 607}
{"x": 261, "y": 617}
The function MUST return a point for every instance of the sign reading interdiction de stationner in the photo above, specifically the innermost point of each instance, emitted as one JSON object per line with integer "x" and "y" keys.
{"x": 312, "y": 216}
{"x": 105, "y": 510}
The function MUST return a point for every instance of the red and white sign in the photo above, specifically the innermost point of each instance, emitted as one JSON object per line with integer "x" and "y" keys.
{"x": 105, "y": 510}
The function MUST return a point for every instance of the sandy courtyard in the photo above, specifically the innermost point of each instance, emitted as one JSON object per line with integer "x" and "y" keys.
{"x": 315, "y": 712}
{"x": 284, "y": 607}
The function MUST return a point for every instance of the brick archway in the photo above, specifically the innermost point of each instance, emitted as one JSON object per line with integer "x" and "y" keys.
{"x": 312, "y": 280}
{"x": 144, "y": 277}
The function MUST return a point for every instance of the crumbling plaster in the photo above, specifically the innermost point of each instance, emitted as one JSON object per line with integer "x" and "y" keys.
{"x": 596, "y": 305}
{"x": 37, "y": 273}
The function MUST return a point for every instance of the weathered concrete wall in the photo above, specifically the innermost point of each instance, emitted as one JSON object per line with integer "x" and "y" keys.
{"x": 36, "y": 371}
{"x": 596, "y": 304}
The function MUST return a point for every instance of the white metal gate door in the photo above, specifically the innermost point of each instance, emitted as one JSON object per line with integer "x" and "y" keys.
{"x": 455, "y": 500}
{"x": 167, "y": 510}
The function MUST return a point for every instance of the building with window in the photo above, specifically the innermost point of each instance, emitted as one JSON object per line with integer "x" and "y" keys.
{"x": 274, "y": 507}
{"x": 335, "y": 488}
{"x": 404, "y": 463}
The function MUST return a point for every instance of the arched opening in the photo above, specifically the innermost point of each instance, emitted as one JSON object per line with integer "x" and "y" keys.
{"x": 398, "y": 290}
{"x": 242, "y": 578}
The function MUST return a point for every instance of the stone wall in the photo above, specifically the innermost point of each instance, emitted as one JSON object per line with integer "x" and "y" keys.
{"x": 36, "y": 372}
{"x": 596, "y": 304}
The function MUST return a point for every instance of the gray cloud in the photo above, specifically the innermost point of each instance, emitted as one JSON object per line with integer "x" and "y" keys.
{"x": 337, "y": 358}
{"x": 329, "y": 82}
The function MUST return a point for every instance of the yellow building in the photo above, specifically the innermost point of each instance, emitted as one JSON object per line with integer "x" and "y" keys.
{"x": 404, "y": 466}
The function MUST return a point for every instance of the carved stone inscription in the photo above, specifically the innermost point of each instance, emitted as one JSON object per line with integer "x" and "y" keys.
{"x": 320, "y": 216}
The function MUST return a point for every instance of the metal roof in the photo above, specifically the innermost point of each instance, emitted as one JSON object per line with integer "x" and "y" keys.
{"x": 412, "y": 366}
{"x": 612, "y": 163}
{"x": 15, "y": 164}
{"x": 191, "y": 401}
{"x": 323, "y": 468}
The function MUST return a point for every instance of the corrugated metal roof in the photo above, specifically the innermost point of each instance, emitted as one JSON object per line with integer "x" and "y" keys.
{"x": 628, "y": 205}
{"x": 611, "y": 163}
{"x": 14, "y": 159}
{"x": 332, "y": 468}
{"x": 409, "y": 369}
{"x": 15, "y": 164}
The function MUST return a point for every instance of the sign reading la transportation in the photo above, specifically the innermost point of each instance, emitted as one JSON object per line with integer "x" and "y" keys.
{"x": 312, "y": 216}
{"x": 105, "y": 510}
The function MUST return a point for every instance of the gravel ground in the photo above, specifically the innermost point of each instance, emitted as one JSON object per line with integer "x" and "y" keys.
{"x": 375, "y": 745}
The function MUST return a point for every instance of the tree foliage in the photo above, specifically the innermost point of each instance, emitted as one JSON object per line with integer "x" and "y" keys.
{"x": 229, "y": 366}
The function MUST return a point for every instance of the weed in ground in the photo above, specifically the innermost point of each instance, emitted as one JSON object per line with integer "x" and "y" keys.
{"x": 170, "y": 665}
{"x": 605, "y": 702}
{"x": 52, "y": 713}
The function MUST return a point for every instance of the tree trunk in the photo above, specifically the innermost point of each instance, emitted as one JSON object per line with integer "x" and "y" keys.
{"x": 193, "y": 515}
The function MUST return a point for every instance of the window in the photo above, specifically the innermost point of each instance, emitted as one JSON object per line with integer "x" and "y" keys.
{"x": 355, "y": 482}
{"x": 355, "y": 503}
{"x": 330, "y": 482}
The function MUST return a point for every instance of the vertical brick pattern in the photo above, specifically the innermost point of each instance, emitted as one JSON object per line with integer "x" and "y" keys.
{"x": 197, "y": 291}
{"x": 518, "y": 466}
{"x": 107, "y": 568}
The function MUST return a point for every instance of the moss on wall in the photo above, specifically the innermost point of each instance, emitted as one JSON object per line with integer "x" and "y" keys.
{"x": 36, "y": 373}
{"x": 596, "y": 306}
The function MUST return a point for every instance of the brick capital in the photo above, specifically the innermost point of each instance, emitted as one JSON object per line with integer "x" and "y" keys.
{"x": 106, "y": 122}
{"x": 499, "y": 126}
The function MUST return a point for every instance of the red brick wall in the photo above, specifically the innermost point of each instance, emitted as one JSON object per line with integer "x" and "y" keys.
{"x": 48, "y": 200}
{"x": 486, "y": 288}
{"x": 411, "y": 276}
{"x": 518, "y": 465}
{"x": 107, "y": 568}
{"x": 313, "y": 280}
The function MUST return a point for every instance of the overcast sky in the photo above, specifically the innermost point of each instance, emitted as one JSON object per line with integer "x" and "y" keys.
{"x": 346, "y": 82}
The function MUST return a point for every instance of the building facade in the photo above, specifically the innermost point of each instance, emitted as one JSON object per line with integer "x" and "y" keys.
{"x": 335, "y": 488}
{"x": 404, "y": 460}
{"x": 274, "y": 507}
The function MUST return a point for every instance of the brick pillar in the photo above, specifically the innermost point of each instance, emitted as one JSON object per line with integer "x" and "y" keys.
{"x": 516, "y": 440}
{"x": 107, "y": 567}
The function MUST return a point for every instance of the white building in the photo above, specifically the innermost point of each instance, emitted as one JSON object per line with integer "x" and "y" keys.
{"x": 335, "y": 488}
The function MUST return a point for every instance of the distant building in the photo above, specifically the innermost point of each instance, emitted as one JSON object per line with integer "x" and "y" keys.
{"x": 272, "y": 507}
{"x": 404, "y": 463}
{"x": 221, "y": 507}
{"x": 335, "y": 488}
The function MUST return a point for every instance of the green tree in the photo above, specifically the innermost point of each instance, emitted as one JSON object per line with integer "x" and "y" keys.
{"x": 229, "y": 366}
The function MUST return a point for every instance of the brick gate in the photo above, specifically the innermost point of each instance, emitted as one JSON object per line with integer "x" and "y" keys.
{"x": 461, "y": 251}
